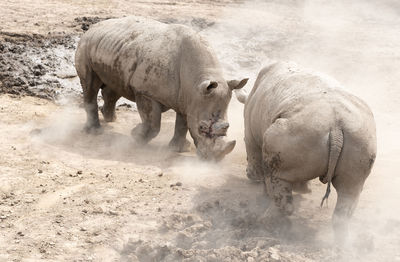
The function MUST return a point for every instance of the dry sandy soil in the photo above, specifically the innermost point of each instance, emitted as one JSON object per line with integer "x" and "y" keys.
{"x": 69, "y": 196}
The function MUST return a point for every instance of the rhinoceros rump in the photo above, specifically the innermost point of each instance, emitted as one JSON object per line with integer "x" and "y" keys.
{"x": 159, "y": 67}
{"x": 300, "y": 125}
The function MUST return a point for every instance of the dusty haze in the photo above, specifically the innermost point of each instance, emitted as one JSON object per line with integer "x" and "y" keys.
{"x": 67, "y": 195}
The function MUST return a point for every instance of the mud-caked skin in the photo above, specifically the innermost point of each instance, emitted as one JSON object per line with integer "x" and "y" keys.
{"x": 159, "y": 67}
{"x": 301, "y": 125}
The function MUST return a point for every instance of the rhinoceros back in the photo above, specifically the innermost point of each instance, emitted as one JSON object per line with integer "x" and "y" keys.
{"x": 134, "y": 55}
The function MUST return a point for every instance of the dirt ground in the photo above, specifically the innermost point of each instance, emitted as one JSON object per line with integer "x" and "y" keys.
{"x": 69, "y": 196}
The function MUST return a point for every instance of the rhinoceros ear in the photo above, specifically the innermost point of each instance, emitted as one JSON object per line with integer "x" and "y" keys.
{"x": 236, "y": 84}
{"x": 208, "y": 86}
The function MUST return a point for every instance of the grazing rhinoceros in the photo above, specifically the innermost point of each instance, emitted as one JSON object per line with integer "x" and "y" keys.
{"x": 300, "y": 125}
{"x": 159, "y": 67}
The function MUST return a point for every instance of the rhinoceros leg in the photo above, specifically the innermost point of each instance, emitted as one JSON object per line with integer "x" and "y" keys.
{"x": 281, "y": 192}
{"x": 150, "y": 113}
{"x": 348, "y": 193}
{"x": 91, "y": 85}
{"x": 110, "y": 98}
{"x": 254, "y": 170}
{"x": 179, "y": 143}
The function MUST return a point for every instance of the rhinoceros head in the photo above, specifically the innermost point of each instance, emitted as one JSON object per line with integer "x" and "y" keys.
{"x": 207, "y": 117}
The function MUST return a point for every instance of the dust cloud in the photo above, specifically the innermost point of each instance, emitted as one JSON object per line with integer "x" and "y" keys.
{"x": 355, "y": 42}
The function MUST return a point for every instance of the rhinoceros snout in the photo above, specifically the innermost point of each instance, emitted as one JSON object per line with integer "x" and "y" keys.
{"x": 212, "y": 130}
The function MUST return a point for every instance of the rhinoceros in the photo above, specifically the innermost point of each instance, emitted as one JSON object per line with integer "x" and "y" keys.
{"x": 301, "y": 125}
{"x": 160, "y": 67}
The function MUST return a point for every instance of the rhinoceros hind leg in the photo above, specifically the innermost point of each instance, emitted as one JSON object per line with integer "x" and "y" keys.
{"x": 110, "y": 99}
{"x": 179, "y": 143}
{"x": 347, "y": 200}
{"x": 281, "y": 192}
{"x": 150, "y": 113}
{"x": 91, "y": 85}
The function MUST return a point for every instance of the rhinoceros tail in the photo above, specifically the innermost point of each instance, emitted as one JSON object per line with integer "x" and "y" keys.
{"x": 241, "y": 95}
{"x": 335, "y": 148}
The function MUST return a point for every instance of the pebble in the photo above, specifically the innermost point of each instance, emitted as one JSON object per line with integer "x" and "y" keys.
{"x": 112, "y": 212}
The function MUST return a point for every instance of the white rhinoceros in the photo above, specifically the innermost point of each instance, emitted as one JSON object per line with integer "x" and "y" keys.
{"x": 301, "y": 125}
{"x": 159, "y": 67}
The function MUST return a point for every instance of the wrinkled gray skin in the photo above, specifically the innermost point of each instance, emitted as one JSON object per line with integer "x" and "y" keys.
{"x": 300, "y": 125}
{"x": 159, "y": 67}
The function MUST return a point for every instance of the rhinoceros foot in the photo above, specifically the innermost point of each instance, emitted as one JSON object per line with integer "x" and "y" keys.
{"x": 179, "y": 145}
{"x": 93, "y": 129}
{"x": 275, "y": 220}
{"x": 108, "y": 114}
{"x": 142, "y": 134}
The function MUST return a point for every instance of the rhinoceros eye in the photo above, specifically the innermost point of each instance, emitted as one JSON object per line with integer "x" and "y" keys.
{"x": 212, "y": 86}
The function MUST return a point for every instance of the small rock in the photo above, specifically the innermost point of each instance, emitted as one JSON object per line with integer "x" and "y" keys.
{"x": 159, "y": 209}
{"x": 20, "y": 234}
{"x": 160, "y": 174}
{"x": 113, "y": 213}
{"x": 79, "y": 172}
{"x": 40, "y": 171}
{"x": 178, "y": 184}
{"x": 83, "y": 229}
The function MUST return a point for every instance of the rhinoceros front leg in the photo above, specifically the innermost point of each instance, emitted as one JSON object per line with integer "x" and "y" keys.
{"x": 110, "y": 99}
{"x": 254, "y": 170}
{"x": 150, "y": 113}
{"x": 179, "y": 143}
{"x": 91, "y": 85}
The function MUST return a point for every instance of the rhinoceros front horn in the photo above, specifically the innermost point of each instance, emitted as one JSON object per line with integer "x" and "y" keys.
{"x": 229, "y": 147}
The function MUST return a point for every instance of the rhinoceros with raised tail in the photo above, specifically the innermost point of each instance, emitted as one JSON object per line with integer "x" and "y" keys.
{"x": 159, "y": 67}
{"x": 301, "y": 125}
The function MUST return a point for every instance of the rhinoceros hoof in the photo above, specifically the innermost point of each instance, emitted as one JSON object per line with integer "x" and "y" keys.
{"x": 140, "y": 134}
{"x": 275, "y": 220}
{"x": 108, "y": 115}
{"x": 179, "y": 145}
{"x": 94, "y": 129}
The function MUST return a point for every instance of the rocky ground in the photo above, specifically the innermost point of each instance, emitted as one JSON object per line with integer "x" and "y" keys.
{"x": 69, "y": 196}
